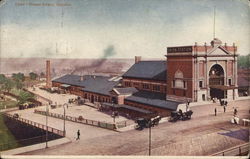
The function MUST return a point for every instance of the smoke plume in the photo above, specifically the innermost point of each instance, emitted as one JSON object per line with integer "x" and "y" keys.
{"x": 108, "y": 52}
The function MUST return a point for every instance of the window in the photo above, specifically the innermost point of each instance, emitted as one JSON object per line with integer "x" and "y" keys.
{"x": 156, "y": 87}
{"x": 200, "y": 84}
{"x": 178, "y": 82}
{"x": 145, "y": 86}
{"x": 136, "y": 84}
{"x": 173, "y": 83}
{"x": 127, "y": 84}
{"x": 184, "y": 83}
{"x": 229, "y": 82}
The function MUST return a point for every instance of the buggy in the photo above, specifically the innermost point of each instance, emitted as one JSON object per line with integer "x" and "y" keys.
{"x": 147, "y": 122}
{"x": 178, "y": 115}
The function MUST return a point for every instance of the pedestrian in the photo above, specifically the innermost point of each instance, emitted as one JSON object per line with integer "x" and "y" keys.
{"x": 235, "y": 111}
{"x": 215, "y": 111}
{"x": 78, "y": 135}
{"x": 224, "y": 108}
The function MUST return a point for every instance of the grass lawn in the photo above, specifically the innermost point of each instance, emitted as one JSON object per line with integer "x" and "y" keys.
{"x": 7, "y": 140}
{"x": 9, "y": 104}
{"x": 15, "y": 91}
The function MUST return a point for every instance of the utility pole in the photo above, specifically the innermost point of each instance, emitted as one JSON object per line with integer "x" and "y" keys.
{"x": 64, "y": 118}
{"x": 149, "y": 145}
{"x": 46, "y": 126}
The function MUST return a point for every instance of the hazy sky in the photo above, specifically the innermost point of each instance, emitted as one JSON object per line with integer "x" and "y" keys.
{"x": 84, "y": 28}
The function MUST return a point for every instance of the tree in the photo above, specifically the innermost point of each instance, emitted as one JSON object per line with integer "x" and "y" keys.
{"x": 24, "y": 97}
{"x": 244, "y": 61}
{"x": 33, "y": 75}
{"x": 19, "y": 84}
{"x": 8, "y": 85}
{"x": 18, "y": 76}
{"x": 2, "y": 78}
{"x": 42, "y": 75}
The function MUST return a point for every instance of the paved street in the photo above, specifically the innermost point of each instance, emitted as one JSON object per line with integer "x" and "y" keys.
{"x": 204, "y": 134}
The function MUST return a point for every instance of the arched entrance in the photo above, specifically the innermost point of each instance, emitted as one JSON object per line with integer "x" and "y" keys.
{"x": 216, "y": 79}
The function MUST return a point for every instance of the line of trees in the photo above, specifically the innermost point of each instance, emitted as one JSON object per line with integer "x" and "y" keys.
{"x": 16, "y": 82}
{"x": 244, "y": 61}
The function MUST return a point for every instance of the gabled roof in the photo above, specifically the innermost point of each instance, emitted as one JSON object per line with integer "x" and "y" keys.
{"x": 96, "y": 84}
{"x": 218, "y": 50}
{"x": 153, "y": 70}
{"x": 153, "y": 99}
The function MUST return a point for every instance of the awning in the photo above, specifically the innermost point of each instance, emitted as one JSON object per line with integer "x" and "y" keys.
{"x": 136, "y": 109}
{"x": 65, "y": 85}
{"x": 222, "y": 87}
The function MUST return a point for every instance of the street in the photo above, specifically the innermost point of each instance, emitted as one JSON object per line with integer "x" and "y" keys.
{"x": 202, "y": 135}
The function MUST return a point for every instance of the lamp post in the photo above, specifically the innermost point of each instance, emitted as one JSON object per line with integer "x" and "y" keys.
{"x": 149, "y": 135}
{"x": 64, "y": 130}
{"x": 47, "y": 126}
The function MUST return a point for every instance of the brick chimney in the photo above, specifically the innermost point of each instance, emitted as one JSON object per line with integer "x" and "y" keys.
{"x": 48, "y": 74}
{"x": 137, "y": 59}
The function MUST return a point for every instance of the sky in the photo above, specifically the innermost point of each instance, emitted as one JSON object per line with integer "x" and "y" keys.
{"x": 86, "y": 28}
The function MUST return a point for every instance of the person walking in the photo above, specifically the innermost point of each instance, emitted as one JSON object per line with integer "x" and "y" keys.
{"x": 78, "y": 135}
{"x": 224, "y": 108}
{"x": 235, "y": 111}
{"x": 215, "y": 111}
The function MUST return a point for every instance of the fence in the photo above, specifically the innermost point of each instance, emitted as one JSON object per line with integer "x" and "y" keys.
{"x": 37, "y": 125}
{"x": 80, "y": 120}
{"x": 241, "y": 150}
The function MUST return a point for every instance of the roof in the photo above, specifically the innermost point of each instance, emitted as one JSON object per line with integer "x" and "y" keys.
{"x": 96, "y": 84}
{"x": 153, "y": 70}
{"x": 153, "y": 99}
{"x": 125, "y": 91}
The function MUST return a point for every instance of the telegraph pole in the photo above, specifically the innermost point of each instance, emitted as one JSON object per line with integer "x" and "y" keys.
{"x": 47, "y": 126}
{"x": 64, "y": 118}
{"x": 149, "y": 145}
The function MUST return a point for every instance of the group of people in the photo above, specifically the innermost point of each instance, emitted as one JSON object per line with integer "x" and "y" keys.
{"x": 224, "y": 110}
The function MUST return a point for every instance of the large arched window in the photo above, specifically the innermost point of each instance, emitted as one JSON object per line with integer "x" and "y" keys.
{"x": 178, "y": 80}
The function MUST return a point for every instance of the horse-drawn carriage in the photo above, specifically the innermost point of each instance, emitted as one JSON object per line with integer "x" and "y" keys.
{"x": 147, "y": 122}
{"x": 179, "y": 115}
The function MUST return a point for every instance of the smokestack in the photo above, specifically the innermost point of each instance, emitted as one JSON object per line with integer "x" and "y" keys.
{"x": 137, "y": 59}
{"x": 48, "y": 74}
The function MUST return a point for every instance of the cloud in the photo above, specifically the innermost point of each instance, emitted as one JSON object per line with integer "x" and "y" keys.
{"x": 147, "y": 40}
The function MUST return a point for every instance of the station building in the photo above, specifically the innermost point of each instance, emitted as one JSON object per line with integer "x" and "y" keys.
{"x": 191, "y": 73}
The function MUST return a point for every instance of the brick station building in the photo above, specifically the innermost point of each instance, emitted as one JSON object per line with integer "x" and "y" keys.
{"x": 191, "y": 73}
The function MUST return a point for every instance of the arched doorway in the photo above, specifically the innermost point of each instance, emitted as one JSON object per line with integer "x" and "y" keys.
{"x": 216, "y": 79}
